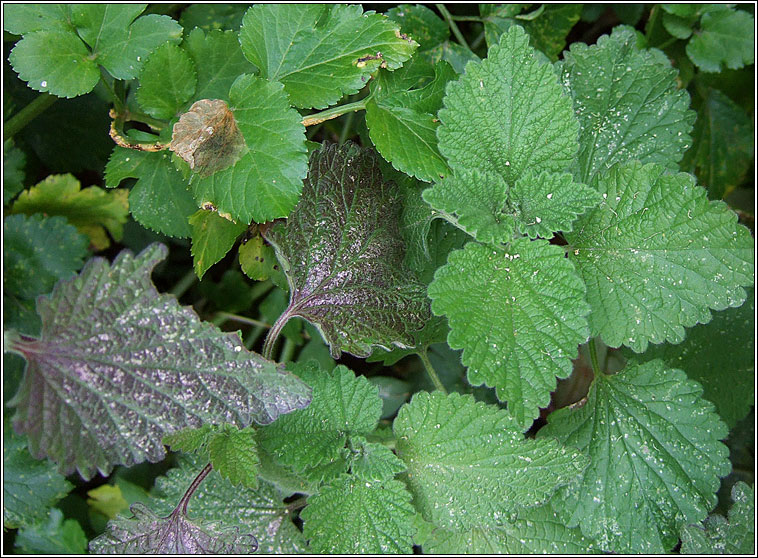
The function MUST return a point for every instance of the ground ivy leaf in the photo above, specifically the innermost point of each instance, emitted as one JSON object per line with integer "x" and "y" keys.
{"x": 343, "y": 406}
{"x": 627, "y": 103}
{"x": 372, "y": 461}
{"x": 403, "y": 125}
{"x": 191, "y": 440}
{"x": 727, "y": 382}
{"x": 469, "y": 464}
{"x": 716, "y": 536}
{"x": 212, "y": 237}
{"x": 218, "y": 59}
{"x": 30, "y": 486}
{"x": 161, "y": 199}
{"x": 119, "y": 42}
{"x": 321, "y": 53}
{"x": 168, "y": 80}
{"x": 350, "y": 515}
{"x": 147, "y": 533}
{"x": 265, "y": 183}
{"x": 655, "y": 458}
{"x": 53, "y": 536}
{"x": 534, "y": 531}
{"x": 511, "y": 105}
{"x": 519, "y": 314}
{"x": 260, "y": 512}
{"x": 55, "y": 61}
{"x": 92, "y": 210}
{"x": 343, "y": 256}
{"x": 722, "y": 150}
{"x": 114, "y": 351}
{"x": 725, "y": 38}
{"x": 656, "y": 255}
{"x": 21, "y": 19}
{"x": 233, "y": 454}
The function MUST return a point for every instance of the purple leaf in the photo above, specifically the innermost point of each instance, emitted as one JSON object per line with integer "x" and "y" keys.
{"x": 119, "y": 366}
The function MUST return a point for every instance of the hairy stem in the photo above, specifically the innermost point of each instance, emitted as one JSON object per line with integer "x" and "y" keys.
{"x": 346, "y": 127}
{"x": 430, "y": 370}
{"x": 287, "y": 351}
{"x": 242, "y": 319}
{"x": 183, "y": 285}
{"x": 31, "y": 111}
{"x": 453, "y": 26}
{"x": 192, "y": 487}
{"x": 328, "y": 114}
{"x": 273, "y": 334}
{"x": 593, "y": 357}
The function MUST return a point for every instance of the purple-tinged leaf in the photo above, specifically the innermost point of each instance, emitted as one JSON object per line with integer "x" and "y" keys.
{"x": 146, "y": 533}
{"x": 342, "y": 252}
{"x": 118, "y": 366}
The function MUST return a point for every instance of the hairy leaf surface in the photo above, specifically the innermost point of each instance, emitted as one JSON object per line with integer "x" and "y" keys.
{"x": 343, "y": 406}
{"x": 343, "y": 256}
{"x": 30, "y": 486}
{"x": 318, "y": 52}
{"x": 161, "y": 199}
{"x": 655, "y": 458}
{"x": 518, "y": 314}
{"x": 627, "y": 103}
{"x": 469, "y": 464}
{"x": 121, "y": 366}
{"x": 55, "y": 535}
{"x": 350, "y": 515}
{"x": 656, "y": 255}
{"x": 260, "y": 512}
{"x": 717, "y": 536}
{"x": 265, "y": 183}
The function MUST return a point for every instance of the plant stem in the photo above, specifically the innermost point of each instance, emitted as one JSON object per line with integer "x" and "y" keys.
{"x": 453, "y": 26}
{"x": 183, "y": 285}
{"x": 192, "y": 487}
{"x": 273, "y": 333}
{"x": 241, "y": 319}
{"x": 430, "y": 370}
{"x": 297, "y": 504}
{"x": 287, "y": 351}
{"x": 253, "y": 337}
{"x": 325, "y": 115}
{"x": 346, "y": 127}
{"x": 478, "y": 40}
{"x": 31, "y": 111}
{"x": 118, "y": 103}
{"x": 480, "y": 19}
{"x": 593, "y": 358}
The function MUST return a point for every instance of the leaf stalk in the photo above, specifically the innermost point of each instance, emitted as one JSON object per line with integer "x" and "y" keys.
{"x": 453, "y": 26}
{"x": 431, "y": 371}
{"x": 31, "y": 111}
{"x": 328, "y": 114}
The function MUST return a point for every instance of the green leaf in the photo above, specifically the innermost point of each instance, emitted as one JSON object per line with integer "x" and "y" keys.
{"x": 469, "y": 464}
{"x": 56, "y": 62}
{"x": 343, "y": 256}
{"x": 92, "y": 210}
{"x": 211, "y": 17}
{"x": 54, "y": 536}
{"x": 266, "y": 182}
{"x": 716, "y": 536}
{"x": 343, "y": 406}
{"x": 321, "y": 53}
{"x": 21, "y": 19}
{"x": 655, "y": 458}
{"x": 147, "y": 533}
{"x": 350, "y": 515}
{"x": 534, "y": 531}
{"x": 233, "y": 454}
{"x": 454, "y": 54}
{"x": 657, "y": 255}
{"x": 372, "y": 461}
{"x": 30, "y": 486}
{"x": 627, "y": 104}
{"x": 722, "y": 150}
{"x": 260, "y": 512}
{"x": 14, "y": 161}
{"x": 161, "y": 199}
{"x": 511, "y": 105}
{"x": 212, "y": 237}
{"x": 548, "y": 31}
{"x": 168, "y": 80}
{"x": 218, "y": 58}
{"x": 258, "y": 260}
{"x": 519, "y": 314}
{"x": 421, "y": 23}
{"x": 191, "y": 440}
{"x": 726, "y": 38}
{"x": 107, "y": 500}
{"x": 679, "y": 27}
{"x": 119, "y": 42}
{"x": 482, "y": 204}
{"x": 403, "y": 125}
{"x": 37, "y": 252}
{"x": 124, "y": 354}
{"x": 719, "y": 355}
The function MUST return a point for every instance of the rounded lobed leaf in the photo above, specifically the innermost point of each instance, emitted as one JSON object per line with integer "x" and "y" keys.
{"x": 168, "y": 80}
